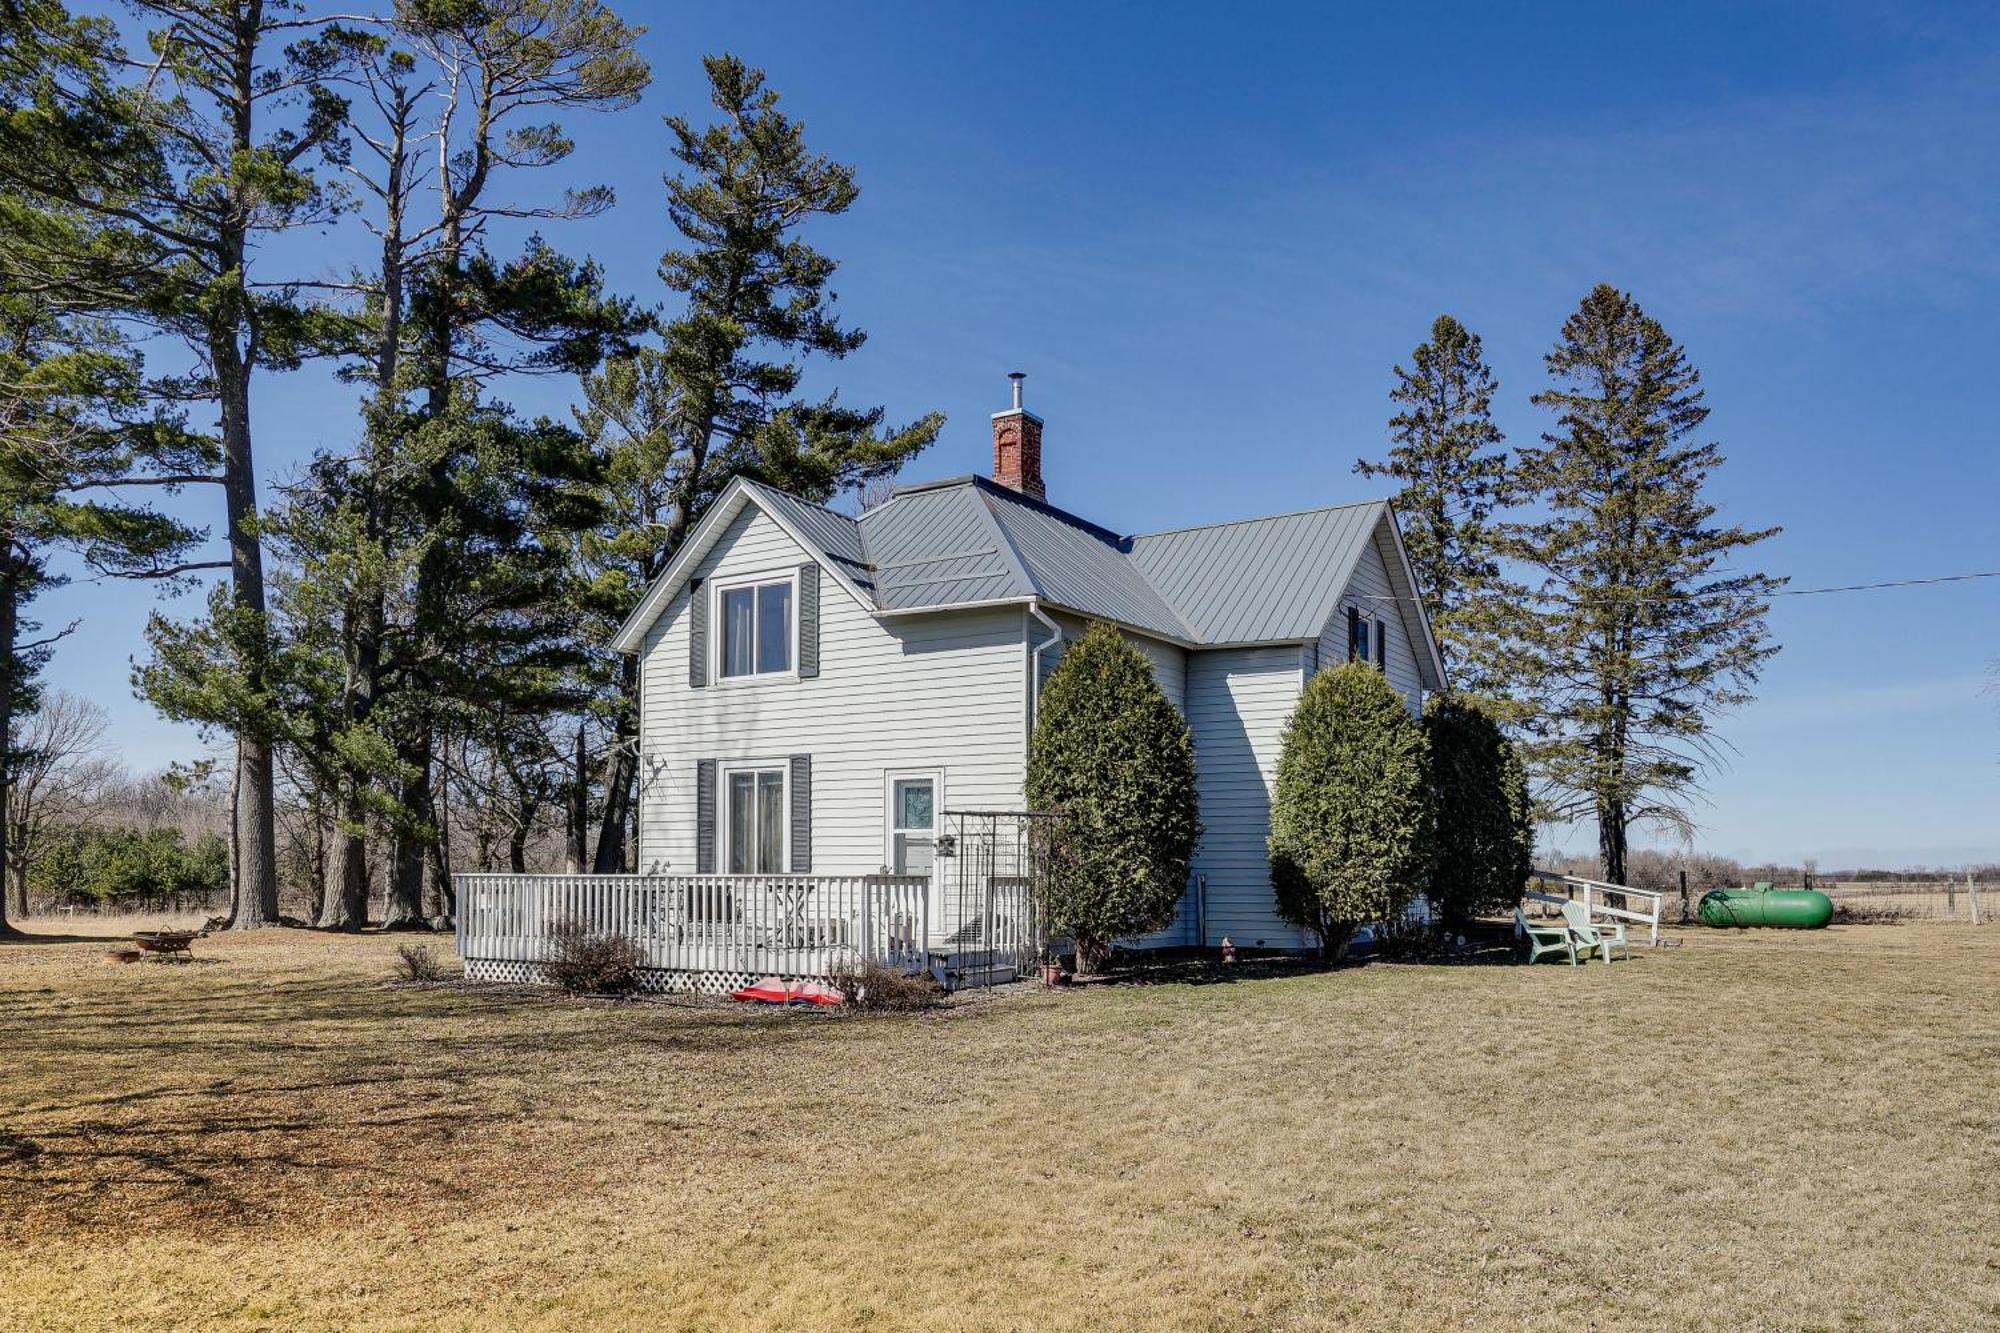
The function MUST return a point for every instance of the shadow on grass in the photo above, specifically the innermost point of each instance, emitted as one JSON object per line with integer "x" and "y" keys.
{"x": 1204, "y": 967}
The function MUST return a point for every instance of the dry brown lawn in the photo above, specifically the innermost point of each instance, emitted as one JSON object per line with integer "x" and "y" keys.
{"x": 1750, "y": 1131}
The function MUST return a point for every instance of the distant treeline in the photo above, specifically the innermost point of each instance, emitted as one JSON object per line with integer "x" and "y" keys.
{"x": 1661, "y": 871}
{"x": 132, "y": 869}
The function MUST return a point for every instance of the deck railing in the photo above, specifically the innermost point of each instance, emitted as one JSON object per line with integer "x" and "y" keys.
{"x": 1595, "y": 895}
{"x": 784, "y": 925}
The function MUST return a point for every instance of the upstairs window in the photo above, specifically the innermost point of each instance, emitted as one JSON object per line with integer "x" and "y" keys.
{"x": 1357, "y": 630}
{"x": 757, "y": 626}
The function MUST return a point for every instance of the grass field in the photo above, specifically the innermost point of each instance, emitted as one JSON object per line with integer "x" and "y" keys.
{"x": 1755, "y": 1130}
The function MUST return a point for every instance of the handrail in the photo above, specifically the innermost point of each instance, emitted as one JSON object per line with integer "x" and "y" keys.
{"x": 1593, "y": 889}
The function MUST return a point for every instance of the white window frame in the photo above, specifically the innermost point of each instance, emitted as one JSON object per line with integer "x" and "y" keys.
{"x": 720, "y": 635}
{"x": 892, "y": 776}
{"x": 723, "y": 769}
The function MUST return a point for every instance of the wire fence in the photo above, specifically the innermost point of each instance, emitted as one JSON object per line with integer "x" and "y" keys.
{"x": 1937, "y": 900}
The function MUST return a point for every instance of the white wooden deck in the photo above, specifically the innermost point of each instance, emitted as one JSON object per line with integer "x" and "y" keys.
{"x": 724, "y": 927}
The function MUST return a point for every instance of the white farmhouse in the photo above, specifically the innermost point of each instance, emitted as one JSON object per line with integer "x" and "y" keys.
{"x": 820, "y": 689}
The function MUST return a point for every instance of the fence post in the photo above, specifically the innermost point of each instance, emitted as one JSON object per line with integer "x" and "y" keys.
{"x": 1950, "y": 896}
{"x": 1684, "y": 897}
{"x": 1972, "y": 896}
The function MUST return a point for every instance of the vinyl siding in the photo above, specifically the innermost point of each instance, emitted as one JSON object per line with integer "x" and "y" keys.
{"x": 1366, "y": 590}
{"x": 941, "y": 691}
{"x": 1169, "y": 661}
{"x": 1238, "y": 702}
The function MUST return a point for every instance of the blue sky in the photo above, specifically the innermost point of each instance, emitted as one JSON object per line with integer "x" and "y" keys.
{"x": 1207, "y": 233}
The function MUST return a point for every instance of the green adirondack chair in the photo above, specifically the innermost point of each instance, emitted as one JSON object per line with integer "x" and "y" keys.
{"x": 1594, "y": 938}
{"x": 1544, "y": 938}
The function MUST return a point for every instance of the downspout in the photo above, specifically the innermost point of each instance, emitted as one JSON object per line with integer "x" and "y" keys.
{"x": 1035, "y": 663}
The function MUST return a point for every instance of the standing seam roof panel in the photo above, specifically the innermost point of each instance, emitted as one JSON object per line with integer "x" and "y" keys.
{"x": 1074, "y": 567}
{"x": 940, "y": 547}
{"x": 1264, "y": 579}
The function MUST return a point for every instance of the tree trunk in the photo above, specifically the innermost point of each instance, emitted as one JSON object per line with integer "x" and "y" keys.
{"x": 10, "y": 626}
{"x": 574, "y": 854}
{"x": 254, "y": 829}
{"x": 344, "y": 904}
{"x": 440, "y": 858}
{"x": 621, "y": 771}
{"x": 404, "y": 909}
{"x": 1611, "y": 840}
{"x": 17, "y": 870}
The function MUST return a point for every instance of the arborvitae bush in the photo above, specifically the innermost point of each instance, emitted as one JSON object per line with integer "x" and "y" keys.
{"x": 1351, "y": 821}
{"x": 1114, "y": 755}
{"x": 1485, "y": 821}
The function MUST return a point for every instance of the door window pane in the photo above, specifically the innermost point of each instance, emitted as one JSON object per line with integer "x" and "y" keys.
{"x": 913, "y": 804}
{"x": 774, "y": 627}
{"x": 738, "y": 631}
{"x": 770, "y": 823}
{"x": 742, "y": 822}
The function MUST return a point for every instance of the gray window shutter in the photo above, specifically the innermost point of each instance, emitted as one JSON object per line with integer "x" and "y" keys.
{"x": 704, "y": 817}
{"x": 1353, "y": 629}
{"x": 808, "y": 620}
{"x": 1382, "y": 644}
{"x": 697, "y": 636}
{"x": 802, "y": 814}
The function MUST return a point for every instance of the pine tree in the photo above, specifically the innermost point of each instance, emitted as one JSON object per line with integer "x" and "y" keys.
{"x": 79, "y": 421}
{"x": 1351, "y": 812}
{"x": 1448, "y": 456}
{"x": 185, "y": 159}
{"x": 1115, "y": 759}
{"x": 1645, "y": 624}
{"x": 675, "y": 423}
{"x": 415, "y": 556}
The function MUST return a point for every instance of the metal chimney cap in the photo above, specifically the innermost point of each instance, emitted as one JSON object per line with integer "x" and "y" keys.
{"x": 1016, "y": 376}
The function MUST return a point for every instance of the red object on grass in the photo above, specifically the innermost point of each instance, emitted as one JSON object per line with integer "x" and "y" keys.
{"x": 777, "y": 990}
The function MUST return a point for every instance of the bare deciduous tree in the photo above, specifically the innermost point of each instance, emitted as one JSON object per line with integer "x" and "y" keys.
{"x": 61, "y": 771}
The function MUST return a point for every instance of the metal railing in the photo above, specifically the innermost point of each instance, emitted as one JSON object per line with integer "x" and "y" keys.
{"x": 783, "y": 925}
{"x": 1595, "y": 895}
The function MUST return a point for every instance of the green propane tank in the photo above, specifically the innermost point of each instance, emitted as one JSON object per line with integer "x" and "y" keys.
{"x": 1793, "y": 909}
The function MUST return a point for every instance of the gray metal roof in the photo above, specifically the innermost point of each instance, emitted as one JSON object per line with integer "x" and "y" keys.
{"x": 970, "y": 540}
{"x": 1260, "y": 579}
{"x": 836, "y": 534}
{"x": 939, "y": 546}
{"x": 1078, "y": 565}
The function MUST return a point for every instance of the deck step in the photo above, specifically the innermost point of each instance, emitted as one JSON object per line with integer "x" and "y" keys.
{"x": 985, "y": 974}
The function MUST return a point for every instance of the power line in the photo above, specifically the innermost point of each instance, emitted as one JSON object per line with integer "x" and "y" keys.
{"x": 1887, "y": 583}
{"x": 1776, "y": 592}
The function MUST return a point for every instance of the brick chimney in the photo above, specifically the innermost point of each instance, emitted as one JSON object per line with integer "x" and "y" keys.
{"x": 1017, "y": 446}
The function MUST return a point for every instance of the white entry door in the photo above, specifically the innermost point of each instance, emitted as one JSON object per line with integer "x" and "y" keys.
{"x": 915, "y": 801}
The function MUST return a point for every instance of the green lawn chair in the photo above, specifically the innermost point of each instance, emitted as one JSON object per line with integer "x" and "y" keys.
{"x": 1591, "y": 937}
{"x": 1544, "y": 938}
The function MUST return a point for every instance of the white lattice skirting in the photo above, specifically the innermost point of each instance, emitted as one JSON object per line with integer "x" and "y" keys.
{"x": 653, "y": 980}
